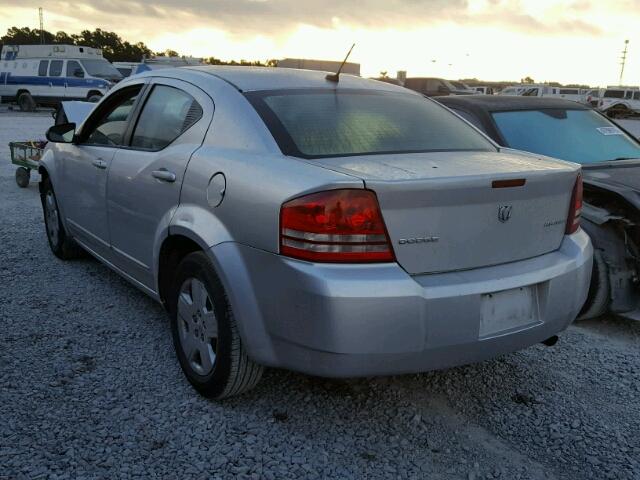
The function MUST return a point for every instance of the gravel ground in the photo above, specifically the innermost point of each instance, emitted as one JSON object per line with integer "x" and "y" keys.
{"x": 90, "y": 388}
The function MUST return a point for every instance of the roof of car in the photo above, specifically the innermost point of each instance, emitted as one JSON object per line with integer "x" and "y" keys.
{"x": 497, "y": 103}
{"x": 266, "y": 78}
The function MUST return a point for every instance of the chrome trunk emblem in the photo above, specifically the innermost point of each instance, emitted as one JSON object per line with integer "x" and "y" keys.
{"x": 504, "y": 213}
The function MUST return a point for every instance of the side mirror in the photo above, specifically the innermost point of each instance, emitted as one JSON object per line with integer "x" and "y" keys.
{"x": 78, "y": 73}
{"x": 63, "y": 133}
{"x": 443, "y": 89}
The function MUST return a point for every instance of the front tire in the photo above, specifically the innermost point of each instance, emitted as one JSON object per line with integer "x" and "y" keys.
{"x": 95, "y": 98}
{"x": 61, "y": 244}
{"x": 205, "y": 334}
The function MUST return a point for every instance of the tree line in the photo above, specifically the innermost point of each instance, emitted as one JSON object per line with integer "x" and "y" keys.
{"x": 113, "y": 47}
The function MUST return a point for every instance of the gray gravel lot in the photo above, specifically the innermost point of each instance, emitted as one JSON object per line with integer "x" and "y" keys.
{"x": 90, "y": 388}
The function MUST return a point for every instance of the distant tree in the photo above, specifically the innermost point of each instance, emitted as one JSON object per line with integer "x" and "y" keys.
{"x": 167, "y": 53}
{"x": 241, "y": 63}
{"x": 383, "y": 74}
{"x": 24, "y": 36}
{"x": 64, "y": 38}
{"x": 113, "y": 47}
{"x": 527, "y": 80}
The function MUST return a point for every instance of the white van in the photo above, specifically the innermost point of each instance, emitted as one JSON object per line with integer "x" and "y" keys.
{"x": 34, "y": 75}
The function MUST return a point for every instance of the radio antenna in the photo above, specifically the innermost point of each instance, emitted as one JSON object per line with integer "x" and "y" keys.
{"x": 41, "y": 25}
{"x": 335, "y": 77}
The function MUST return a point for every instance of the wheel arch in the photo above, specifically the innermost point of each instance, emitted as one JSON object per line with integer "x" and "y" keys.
{"x": 94, "y": 92}
{"x": 172, "y": 251}
{"x": 44, "y": 175}
{"x": 609, "y": 241}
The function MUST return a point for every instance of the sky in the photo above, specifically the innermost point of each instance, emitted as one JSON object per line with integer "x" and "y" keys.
{"x": 569, "y": 41}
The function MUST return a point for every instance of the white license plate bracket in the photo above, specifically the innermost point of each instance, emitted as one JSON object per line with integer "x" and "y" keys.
{"x": 508, "y": 310}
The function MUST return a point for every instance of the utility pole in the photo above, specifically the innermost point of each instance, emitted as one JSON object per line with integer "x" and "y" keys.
{"x": 624, "y": 60}
{"x": 41, "y": 25}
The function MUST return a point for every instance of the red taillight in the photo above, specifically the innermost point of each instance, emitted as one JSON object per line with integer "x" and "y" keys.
{"x": 575, "y": 208}
{"x": 335, "y": 226}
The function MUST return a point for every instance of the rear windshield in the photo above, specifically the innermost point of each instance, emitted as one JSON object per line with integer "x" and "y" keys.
{"x": 581, "y": 136}
{"x": 330, "y": 123}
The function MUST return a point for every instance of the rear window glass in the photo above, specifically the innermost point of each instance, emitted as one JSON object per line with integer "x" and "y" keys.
{"x": 581, "y": 136}
{"x": 329, "y": 123}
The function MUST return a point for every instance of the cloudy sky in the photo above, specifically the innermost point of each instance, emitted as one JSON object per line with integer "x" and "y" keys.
{"x": 571, "y": 41}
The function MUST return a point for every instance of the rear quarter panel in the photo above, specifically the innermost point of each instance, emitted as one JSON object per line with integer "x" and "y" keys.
{"x": 258, "y": 178}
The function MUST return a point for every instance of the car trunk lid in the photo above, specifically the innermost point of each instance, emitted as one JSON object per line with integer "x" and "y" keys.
{"x": 444, "y": 211}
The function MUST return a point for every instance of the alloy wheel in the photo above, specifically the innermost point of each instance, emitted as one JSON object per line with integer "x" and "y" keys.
{"x": 53, "y": 223}
{"x": 197, "y": 326}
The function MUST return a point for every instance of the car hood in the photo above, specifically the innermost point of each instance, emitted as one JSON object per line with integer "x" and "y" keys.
{"x": 623, "y": 179}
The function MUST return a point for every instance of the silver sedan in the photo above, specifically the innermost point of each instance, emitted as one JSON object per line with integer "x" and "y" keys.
{"x": 338, "y": 228}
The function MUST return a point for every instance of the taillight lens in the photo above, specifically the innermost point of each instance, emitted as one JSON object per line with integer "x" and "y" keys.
{"x": 575, "y": 209}
{"x": 335, "y": 226}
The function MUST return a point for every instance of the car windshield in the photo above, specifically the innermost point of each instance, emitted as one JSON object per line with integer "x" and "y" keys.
{"x": 101, "y": 69}
{"x": 581, "y": 136}
{"x": 330, "y": 123}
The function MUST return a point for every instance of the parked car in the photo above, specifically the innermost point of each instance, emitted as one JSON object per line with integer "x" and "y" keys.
{"x": 340, "y": 229}
{"x": 483, "y": 90}
{"x": 34, "y": 75}
{"x": 592, "y": 97}
{"x": 462, "y": 87}
{"x": 127, "y": 69}
{"x": 610, "y": 159}
{"x": 512, "y": 90}
{"x": 434, "y": 87}
{"x": 620, "y": 102}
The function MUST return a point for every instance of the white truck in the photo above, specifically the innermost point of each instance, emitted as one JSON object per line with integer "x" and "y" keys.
{"x": 32, "y": 75}
{"x": 620, "y": 102}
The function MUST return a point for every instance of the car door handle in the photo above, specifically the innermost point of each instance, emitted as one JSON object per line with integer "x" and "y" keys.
{"x": 164, "y": 175}
{"x": 99, "y": 163}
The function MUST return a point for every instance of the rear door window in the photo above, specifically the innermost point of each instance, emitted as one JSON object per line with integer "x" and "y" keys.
{"x": 55, "y": 70}
{"x": 167, "y": 114}
{"x": 42, "y": 68}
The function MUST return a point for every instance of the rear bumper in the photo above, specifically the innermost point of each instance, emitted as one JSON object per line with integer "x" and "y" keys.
{"x": 345, "y": 321}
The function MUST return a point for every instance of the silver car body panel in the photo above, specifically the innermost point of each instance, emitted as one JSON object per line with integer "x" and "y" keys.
{"x": 344, "y": 320}
{"x": 331, "y": 319}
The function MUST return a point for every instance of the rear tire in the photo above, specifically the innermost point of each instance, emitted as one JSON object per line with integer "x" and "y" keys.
{"x": 26, "y": 102}
{"x": 598, "y": 299}
{"x": 23, "y": 175}
{"x": 205, "y": 334}
{"x": 61, "y": 244}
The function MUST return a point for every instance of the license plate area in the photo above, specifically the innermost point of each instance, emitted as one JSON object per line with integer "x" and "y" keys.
{"x": 508, "y": 310}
